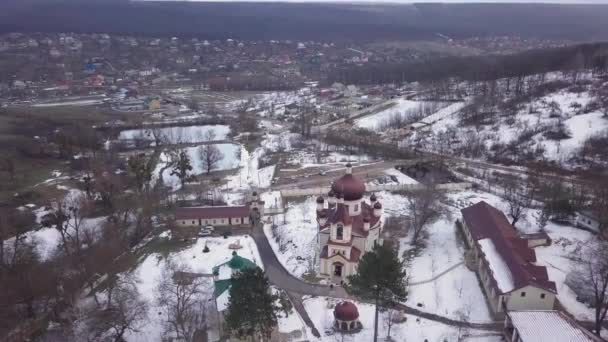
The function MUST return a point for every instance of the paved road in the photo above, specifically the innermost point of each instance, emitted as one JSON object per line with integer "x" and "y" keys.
{"x": 279, "y": 276}
{"x": 296, "y": 288}
{"x": 363, "y": 171}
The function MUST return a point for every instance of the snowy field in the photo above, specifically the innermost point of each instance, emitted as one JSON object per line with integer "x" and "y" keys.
{"x": 320, "y": 310}
{"x": 581, "y": 127}
{"x": 48, "y": 238}
{"x": 547, "y": 112}
{"x": 401, "y": 108}
{"x": 231, "y": 159}
{"x": 567, "y": 243}
{"x": 295, "y": 242}
{"x": 150, "y": 269}
{"x": 178, "y": 134}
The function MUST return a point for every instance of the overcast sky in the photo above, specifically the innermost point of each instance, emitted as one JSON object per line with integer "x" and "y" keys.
{"x": 419, "y": 1}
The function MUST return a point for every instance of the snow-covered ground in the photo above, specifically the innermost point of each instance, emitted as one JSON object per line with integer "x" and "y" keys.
{"x": 295, "y": 242}
{"x": 320, "y": 310}
{"x": 232, "y": 155}
{"x": 178, "y": 134}
{"x": 48, "y": 239}
{"x": 581, "y": 127}
{"x": 400, "y": 176}
{"x": 150, "y": 269}
{"x": 527, "y": 128}
{"x": 402, "y": 107}
{"x": 567, "y": 242}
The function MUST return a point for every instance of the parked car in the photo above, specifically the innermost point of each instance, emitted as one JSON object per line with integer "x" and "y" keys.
{"x": 209, "y": 227}
{"x": 204, "y": 232}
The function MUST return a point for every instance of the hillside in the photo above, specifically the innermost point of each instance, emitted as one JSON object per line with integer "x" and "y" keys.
{"x": 555, "y": 119}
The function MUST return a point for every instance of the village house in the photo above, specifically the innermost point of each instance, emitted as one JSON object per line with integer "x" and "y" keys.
{"x": 554, "y": 326}
{"x": 190, "y": 220}
{"x": 348, "y": 227}
{"x": 588, "y": 220}
{"x": 504, "y": 262}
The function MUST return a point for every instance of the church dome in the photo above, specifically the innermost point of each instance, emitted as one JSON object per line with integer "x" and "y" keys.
{"x": 377, "y": 205}
{"x": 346, "y": 311}
{"x": 320, "y": 199}
{"x": 350, "y": 187}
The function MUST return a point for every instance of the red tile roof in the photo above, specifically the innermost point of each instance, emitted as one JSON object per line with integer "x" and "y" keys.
{"x": 355, "y": 254}
{"x": 193, "y": 213}
{"x": 486, "y": 222}
{"x": 339, "y": 213}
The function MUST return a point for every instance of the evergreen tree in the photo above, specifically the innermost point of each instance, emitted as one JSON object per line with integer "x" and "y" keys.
{"x": 182, "y": 167}
{"x": 251, "y": 310}
{"x": 380, "y": 277}
{"x": 141, "y": 168}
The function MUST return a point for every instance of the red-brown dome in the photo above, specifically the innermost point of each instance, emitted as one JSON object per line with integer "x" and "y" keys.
{"x": 350, "y": 187}
{"x": 346, "y": 311}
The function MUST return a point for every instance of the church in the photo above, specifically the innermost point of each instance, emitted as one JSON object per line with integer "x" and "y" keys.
{"x": 348, "y": 227}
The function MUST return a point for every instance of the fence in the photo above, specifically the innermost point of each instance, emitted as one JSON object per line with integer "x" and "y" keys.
{"x": 376, "y": 187}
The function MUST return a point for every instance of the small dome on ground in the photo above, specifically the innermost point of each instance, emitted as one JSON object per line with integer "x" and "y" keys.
{"x": 346, "y": 311}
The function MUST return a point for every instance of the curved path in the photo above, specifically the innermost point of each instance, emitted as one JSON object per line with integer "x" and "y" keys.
{"x": 296, "y": 288}
{"x": 437, "y": 276}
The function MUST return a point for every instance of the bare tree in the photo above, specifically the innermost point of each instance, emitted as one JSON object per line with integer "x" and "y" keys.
{"x": 68, "y": 216}
{"x": 182, "y": 296}
{"x": 424, "y": 206}
{"x": 594, "y": 275}
{"x": 391, "y": 316}
{"x": 519, "y": 200}
{"x": 210, "y": 154}
{"x": 160, "y": 138}
{"x": 124, "y": 311}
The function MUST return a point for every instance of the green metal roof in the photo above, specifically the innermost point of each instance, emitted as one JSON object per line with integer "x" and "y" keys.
{"x": 237, "y": 263}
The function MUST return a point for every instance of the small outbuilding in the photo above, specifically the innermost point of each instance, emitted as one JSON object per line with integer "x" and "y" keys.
{"x": 346, "y": 317}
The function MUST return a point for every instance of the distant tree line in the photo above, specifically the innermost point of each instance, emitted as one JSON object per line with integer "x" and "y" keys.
{"x": 479, "y": 68}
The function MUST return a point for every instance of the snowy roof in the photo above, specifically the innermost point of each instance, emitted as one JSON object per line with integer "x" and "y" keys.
{"x": 509, "y": 251}
{"x": 548, "y": 326}
{"x": 222, "y": 301}
{"x": 500, "y": 270}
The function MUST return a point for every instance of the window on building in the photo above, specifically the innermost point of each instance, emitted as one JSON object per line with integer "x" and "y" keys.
{"x": 542, "y": 296}
{"x": 356, "y": 207}
{"x": 339, "y": 232}
{"x": 213, "y": 221}
{"x": 523, "y": 294}
{"x": 193, "y": 222}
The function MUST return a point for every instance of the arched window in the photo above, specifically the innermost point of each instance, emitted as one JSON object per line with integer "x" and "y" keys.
{"x": 339, "y": 232}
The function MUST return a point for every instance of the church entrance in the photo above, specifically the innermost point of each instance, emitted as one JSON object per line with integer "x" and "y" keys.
{"x": 337, "y": 274}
